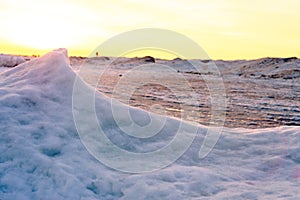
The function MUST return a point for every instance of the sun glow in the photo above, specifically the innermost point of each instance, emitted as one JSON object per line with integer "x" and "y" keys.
{"x": 43, "y": 37}
{"x": 226, "y": 29}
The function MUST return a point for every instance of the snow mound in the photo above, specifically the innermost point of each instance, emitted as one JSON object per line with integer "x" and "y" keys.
{"x": 42, "y": 156}
{"x": 10, "y": 61}
{"x": 271, "y": 68}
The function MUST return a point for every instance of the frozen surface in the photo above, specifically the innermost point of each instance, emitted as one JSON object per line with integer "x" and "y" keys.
{"x": 260, "y": 93}
{"x": 2, "y": 69}
{"x": 10, "y": 60}
{"x": 42, "y": 156}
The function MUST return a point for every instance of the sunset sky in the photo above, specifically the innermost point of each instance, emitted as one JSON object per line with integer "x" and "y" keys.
{"x": 225, "y": 29}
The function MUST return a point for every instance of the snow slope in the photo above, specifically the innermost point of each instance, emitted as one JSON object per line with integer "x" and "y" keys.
{"x": 42, "y": 156}
{"x": 2, "y": 69}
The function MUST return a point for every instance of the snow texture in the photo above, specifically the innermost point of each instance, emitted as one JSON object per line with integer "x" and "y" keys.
{"x": 42, "y": 156}
{"x": 10, "y": 61}
{"x": 260, "y": 93}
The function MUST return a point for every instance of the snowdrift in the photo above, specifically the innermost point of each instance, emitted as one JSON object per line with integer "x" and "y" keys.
{"x": 43, "y": 157}
{"x": 10, "y": 61}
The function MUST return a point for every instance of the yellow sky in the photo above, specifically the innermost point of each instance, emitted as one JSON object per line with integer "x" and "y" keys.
{"x": 225, "y": 29}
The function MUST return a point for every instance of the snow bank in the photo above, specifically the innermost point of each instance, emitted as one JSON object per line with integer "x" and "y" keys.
{"x": 42, "y": 156}
{"x": 10, "y": 60}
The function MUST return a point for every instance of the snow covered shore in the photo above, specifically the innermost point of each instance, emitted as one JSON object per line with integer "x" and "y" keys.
{"x": 261, "y": 93}
{"x": 43, "y": 157}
